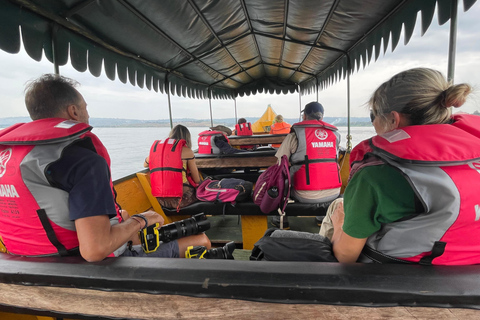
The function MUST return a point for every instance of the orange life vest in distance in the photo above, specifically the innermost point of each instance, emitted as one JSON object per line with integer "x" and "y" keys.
{"x": 243, "y": 129}
{"x": 280, "y": 128}
{"x": 166, "y": 167}
{"x": 314, "y": 164}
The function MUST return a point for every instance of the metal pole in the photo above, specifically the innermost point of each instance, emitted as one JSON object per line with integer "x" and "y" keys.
{"x": 56, "y": 68}
{"x": 453, "y": 41}
{"x": 210, "y": 103}
{"x": 167, "y": 87}
{"x": 349, "y": 136}
{"x": 316, "y": 80}
{"x": 299, "y": 104}
{"x": 235, "y": 102}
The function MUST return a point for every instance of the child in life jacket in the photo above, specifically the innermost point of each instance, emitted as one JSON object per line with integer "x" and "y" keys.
{"x": 173, "y": 172}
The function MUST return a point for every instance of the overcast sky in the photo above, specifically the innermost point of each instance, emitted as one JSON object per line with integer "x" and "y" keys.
{"x": 108, "y": 99}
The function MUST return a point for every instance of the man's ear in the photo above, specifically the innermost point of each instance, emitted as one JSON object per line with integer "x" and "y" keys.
{"x": 72, "y": 112}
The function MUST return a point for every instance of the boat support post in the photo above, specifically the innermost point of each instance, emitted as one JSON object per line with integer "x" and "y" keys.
{"x": 167, "y": 87}
{"x": 299, "y": 103}
{"x": 235, "y": 104}
{"x": 56, "y": 68}
{"x": 453, "y": 41}
{"x": 210, "y": 104}
{"x": 349, "y": 136}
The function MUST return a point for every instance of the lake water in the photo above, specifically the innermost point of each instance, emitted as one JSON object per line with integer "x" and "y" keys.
{"x": 128, "y": 147}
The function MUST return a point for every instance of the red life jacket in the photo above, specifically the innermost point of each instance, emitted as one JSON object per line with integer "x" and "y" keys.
{"x": 244, "y": 129}
{"x": 166, "y": 167}
{"x": 36, "y": 220}
{"x": 442, "y": 164}
{"x": 314, "y": 164}
{"x": 206, "y": 141}
{"x": 280, "y": 128}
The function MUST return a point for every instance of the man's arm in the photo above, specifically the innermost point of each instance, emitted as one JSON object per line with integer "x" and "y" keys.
{"x": 98, "y": 239}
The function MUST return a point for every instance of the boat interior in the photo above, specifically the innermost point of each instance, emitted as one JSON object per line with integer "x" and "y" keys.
{"x": 216, "y": 50}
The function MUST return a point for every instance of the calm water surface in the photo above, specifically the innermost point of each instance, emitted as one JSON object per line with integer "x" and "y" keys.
{"x": 128, "y": 147}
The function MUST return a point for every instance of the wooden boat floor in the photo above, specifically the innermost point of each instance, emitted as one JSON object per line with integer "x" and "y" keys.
{"x": 94, "y": 304}
{"x": 228, "y": 228}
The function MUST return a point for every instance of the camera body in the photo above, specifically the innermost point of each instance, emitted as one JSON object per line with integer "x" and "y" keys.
{"x": 151, "y": 236}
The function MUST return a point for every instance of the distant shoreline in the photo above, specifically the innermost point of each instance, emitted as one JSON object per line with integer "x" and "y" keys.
{"x": 229, "y": 122}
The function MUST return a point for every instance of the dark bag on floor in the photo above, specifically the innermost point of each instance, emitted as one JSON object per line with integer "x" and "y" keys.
{"x": 286, "y": 245}
{"x": 226, "y": 190}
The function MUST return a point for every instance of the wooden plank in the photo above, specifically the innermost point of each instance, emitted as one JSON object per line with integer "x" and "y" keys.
{"x": 257, "y": 139}
{"x": 236, "y": 162}
{"x": 253, "y": 228}
{"x": 130, "y": 195}
{"x": 133, "y": 305}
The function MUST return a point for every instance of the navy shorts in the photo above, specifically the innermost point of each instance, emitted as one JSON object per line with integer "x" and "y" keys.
{"x": 165, "y": 250}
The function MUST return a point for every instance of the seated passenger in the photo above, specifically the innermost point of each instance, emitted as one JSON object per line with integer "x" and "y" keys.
{"x": 244, "y": 128}
{"x": 60, "y": 185}
{"x": 279, "y": 127}
{"x": 312, "y": 148}
{"x": 173, "y": 171}
{"x": 413, "y": 190}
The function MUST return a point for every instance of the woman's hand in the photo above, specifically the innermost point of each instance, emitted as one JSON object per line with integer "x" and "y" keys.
{"x": 345, "y": 248}
{"x": 338, "y": 216}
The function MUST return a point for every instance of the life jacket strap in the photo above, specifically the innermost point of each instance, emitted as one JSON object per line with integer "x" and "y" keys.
{"x": 62, "y": 251}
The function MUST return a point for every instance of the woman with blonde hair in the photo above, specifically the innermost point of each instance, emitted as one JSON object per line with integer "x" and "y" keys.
{"x": 279, "y": 127}
{"x": 173, "y": 172}
{"x": 412, "y": 195}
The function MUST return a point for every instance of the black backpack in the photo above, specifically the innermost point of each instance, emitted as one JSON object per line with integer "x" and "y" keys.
{"x": 286, "y": 245}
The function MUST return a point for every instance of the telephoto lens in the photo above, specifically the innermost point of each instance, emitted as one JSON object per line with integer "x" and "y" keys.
{"x": 221, "y": 253}
{"x": 184, "y": 228}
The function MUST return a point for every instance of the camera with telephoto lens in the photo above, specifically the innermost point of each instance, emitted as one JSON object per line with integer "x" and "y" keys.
{"x": 151, "y": 236}
{"x": 201, "y": 252}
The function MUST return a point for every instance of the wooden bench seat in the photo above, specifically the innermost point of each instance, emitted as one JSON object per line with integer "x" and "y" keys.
{"x": 239, "y": 161}
{"x": 263, "y": 139}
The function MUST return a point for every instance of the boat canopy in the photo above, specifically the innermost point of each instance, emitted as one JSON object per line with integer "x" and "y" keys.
{"x": 216, "y": 49}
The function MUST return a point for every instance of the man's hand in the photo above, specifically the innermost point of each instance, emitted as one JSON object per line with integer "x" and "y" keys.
{"x": 98, "y": 239}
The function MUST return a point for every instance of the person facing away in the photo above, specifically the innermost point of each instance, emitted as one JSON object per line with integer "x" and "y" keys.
{"x": 312, "y": 148}
{"x": 413, "y": 190}
{"x": 279, "y": 127}
{"x": 244, "y": 128}
{"x": 60, "y": 188}
{"x": 174, "y": 174}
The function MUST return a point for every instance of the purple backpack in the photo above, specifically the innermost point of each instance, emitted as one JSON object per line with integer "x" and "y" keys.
{"x": 225, "y": 190}
{"x": 273, "y": 187}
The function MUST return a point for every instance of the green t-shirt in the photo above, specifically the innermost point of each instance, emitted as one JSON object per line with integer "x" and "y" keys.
{"x": 374, "y": 196}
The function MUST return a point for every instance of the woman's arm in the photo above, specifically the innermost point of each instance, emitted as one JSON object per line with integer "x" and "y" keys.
{"x": 345, "y": 248}
{"x": 146, "y": 162}
{"x": 188, "y": 155}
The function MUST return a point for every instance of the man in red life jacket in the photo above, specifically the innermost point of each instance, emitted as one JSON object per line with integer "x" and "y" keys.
{"x": 244, "y": 128}
{"x": 312, "y": 148}
{"x": 60, "y": 194}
